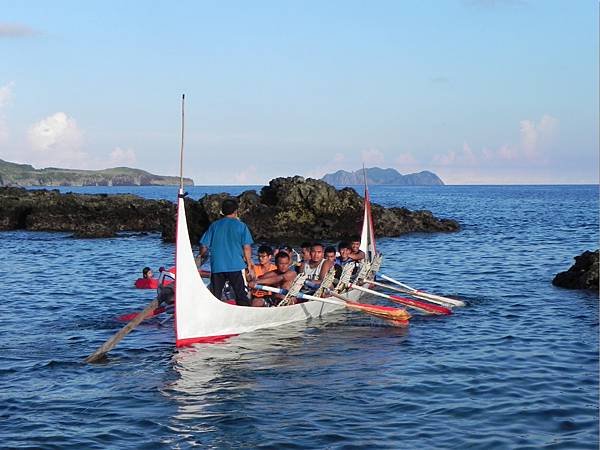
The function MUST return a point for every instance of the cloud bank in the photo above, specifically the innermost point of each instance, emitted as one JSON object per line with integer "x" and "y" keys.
{"x": 5, "y": 99}
{"x": 57, "y": 140}
{"x": 122, "y": 157}
{"x": 534, "y": 141}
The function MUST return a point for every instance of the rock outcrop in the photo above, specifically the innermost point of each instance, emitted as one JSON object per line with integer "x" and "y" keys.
{"x": 297, "y": 209}
{"x": 287, "y": 210}
{"x": 85, "y": 215}
{"x": 582, "y": 275}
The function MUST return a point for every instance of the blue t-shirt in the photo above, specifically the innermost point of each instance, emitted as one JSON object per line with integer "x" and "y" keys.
{"x": 225, "y": 238}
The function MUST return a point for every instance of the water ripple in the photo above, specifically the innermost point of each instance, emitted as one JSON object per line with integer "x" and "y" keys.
{"x": 516, "y": 368}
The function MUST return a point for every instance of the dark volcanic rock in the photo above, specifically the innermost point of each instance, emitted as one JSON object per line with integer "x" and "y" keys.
{"x": 297, "y": 209}
{"x": 287, "y": 210}
{"x": 87, "y": 215}
{"x": 582, "y": 275}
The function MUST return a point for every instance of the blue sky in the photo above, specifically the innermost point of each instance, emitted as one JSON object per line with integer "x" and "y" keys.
{"x": 477, "y": 91}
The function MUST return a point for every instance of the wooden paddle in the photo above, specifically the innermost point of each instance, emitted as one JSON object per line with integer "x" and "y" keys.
{"x": 113, "y": 341}
{"x": 432, "y": 309}
{"x": 424, "y": 295}
{"x": 412, "y": 293}
{"x": 396, "y": 315}
{"x": 130, "y": 316}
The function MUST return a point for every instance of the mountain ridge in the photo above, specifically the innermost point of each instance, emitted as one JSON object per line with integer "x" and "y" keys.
{"x": 14, "y": 174}
{"x": 379, "y": 176}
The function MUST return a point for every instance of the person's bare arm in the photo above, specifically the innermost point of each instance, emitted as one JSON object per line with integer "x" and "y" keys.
{"x": 249, "y": 262}
{"x": 324, "y": 269}
{"x": 201, "y": 254}
{"x": 270, "y": 278}
{"x": 357, "y": 256}
{"x": 288, "y": 279}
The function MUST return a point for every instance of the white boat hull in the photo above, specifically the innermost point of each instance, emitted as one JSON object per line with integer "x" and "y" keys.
{"x": 201, "y": 317}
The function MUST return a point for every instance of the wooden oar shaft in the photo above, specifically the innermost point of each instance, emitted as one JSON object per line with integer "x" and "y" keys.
{"x": 382, "y": 312}
{"x": 433, "y": 309}
{"x": 404, "y": 291}
{"x": 422, "y": 294}
{"x": 113, "y": 341}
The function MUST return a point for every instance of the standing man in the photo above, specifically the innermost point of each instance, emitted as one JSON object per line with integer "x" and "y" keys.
{"x": 229, "y": 241}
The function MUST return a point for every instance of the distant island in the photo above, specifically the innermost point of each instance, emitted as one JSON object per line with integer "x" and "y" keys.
{"x": 12, "y": 174}
{"x": 376, "y": 175}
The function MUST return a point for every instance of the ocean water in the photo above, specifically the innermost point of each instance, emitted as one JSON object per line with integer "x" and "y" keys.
{"x": 516, "y": 368}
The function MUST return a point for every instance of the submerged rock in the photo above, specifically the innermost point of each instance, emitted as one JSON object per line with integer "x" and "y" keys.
{"x": 287, "y": 210}
{"x": 582, "y": 275}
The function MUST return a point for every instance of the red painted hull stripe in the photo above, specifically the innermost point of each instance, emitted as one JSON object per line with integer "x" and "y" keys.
{"x": 203, "y": 340}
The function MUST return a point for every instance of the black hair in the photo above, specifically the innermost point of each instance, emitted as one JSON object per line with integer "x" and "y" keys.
{"x": 265, "y": 249}
{"x": 280, "y": 255}
{"x": 330, "y": 249}
{"x": 355, "y": 238}
{"x": 306, "y": 245}
{"x": 344, "y": 244}
{"x": 145, "y": 271}
{"x": 229, "y": 206}
{"x": 315, "y": 244}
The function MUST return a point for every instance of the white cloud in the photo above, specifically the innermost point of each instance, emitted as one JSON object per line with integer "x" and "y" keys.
{"x": 122, "y": 157}
{"x": 405, "y": 159}
{"x": 445, "y": 159}
{"x": 57, "y": 141}
{"x": 5, "y": 98}
{"x": 535, "y": 138}
{"x": 468, "y": 154}
{"x": 6, "y": 94}
{"x": 249, "y": 175}
{"x": 372, "y": 157}
{"x": 464, "y": 157}
{"x": 338, "y": 162}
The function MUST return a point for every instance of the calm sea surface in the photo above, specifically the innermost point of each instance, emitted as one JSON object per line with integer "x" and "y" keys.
{"x": 516, "y": 368}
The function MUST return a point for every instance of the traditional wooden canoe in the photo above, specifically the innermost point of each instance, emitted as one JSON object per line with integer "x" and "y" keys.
{"x": 201, "y": 317}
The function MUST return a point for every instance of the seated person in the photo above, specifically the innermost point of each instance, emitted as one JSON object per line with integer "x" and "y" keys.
{"x": 344, "y": 249}
{"x": 290, "y": 251}
{"x": 330, "y": 254}
{"x": 281, "y": 277}
{"x": 264, "y": 265}
{"x": 306, "y": 246}
{"x": 357, "y": 254}
{"x": 316, "y": 268}
{"x": 147, "y": 281}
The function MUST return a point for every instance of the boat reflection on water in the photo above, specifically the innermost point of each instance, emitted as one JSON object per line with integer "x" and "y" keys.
{"x": 216, "y": 381}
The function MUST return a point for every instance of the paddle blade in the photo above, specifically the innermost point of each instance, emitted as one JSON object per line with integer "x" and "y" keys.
{"x": 396, "y": 315}
{"x": 133, "y": 315}
{"x": 115, "y": 339}
{"x": 427, "y": 307}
